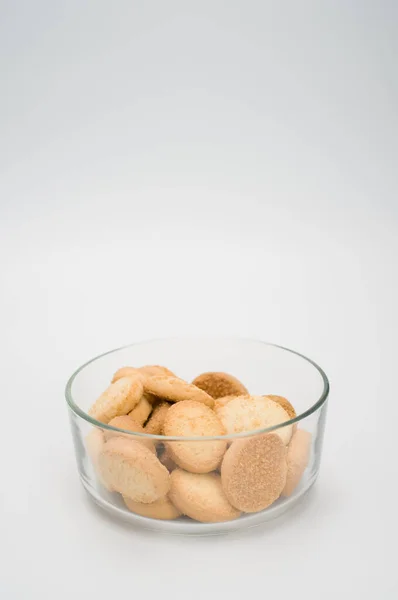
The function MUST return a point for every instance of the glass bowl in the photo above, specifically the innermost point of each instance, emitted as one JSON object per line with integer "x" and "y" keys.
{"x": 264, "y": 369}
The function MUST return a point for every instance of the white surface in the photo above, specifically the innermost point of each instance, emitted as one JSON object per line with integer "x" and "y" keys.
{"x": 214, "y": 167}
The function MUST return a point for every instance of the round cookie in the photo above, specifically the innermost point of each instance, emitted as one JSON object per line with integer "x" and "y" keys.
{"x": 219, "y": 402}
{"x": 118, "y": 399}
{"x": 201, "y": 497}
{"x": 253, "y": 472}
{"x": 133, "y": 470}
{"x": 127, "y": 423}
{"x": 141, "y": 412}
{"x": 298, "y": 454}
{"x": 152, "y": 370}
{"x": 284, "y": 403}
{"x": 218, "y": 384}
{"x": 127, "y": 372}
{"x": 176, "y": 390}
{"x": 156, "y": 420}
{"x": 160, "y": 509}
{"x": 191, "y": 419}
{"x": 249, "y": 413}
{"x": 95, "y": 442}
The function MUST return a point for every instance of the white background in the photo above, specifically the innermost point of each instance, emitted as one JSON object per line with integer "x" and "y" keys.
{"x": 216, "y": 167}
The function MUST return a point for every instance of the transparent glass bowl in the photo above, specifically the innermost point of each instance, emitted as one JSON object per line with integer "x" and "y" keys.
{"x": 263, "y": 368}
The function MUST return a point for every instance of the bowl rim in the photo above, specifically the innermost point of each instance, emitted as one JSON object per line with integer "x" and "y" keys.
{"x": 232, "y": 436}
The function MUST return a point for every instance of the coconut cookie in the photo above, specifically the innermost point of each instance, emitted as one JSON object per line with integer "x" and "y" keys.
{"x": 298, "y": 454}
{"x": 191, "y": 419}
{"x": 201, "y": 497}
{"x": 218, "y": 384}
{"x": 118, "y": 399}
{"x": 160, "y": 509}
{"x": 133, "y": 470}
{"x": 249, "y": 413}
{"x": 128, "y": 424}
{"x": 156, "y": 420}
{"x": 176, "y": 390}
{"x": 141, "y": 412}
{"x": 253, "y": 472}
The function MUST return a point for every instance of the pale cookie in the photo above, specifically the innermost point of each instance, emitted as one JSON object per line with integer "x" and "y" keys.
{"x": 223, "y": 401}
{"x": 128, "y": 424}
{"x": 284, "y": 403}
{"x": 249, "y": 413}
{"x": 201, "y": 497}
{"x": 141, "y": 412}
{"x": 156, "y": 420}
{"x": 253, "y": 472}
{"x": 118, "y": 399}
{"x": 160, "y": 509}
{"x": 133, "y": 470}
{"x": 95, "y": 442}
{"x": 298, "y": 454}
{"x": 127, "y": 372}
{"x": 152, "y": 370}
{"x": 218, "y": 384}
{"x": 191, "y": 419}
{"x": 176, "y": 390}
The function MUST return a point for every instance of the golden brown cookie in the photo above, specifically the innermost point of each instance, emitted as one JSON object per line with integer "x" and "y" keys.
{"x": 218, "y": 384}
{"x": 249, "y": 413}
{"x": 201, "y": 497}
{"x": 118, "y": 399}
{"x": 253, "y": 472}
{"x": 95, "y": 442}
{"x": 127, "y": 372}
{"x": 176, "y": 390}
{"x": 298, "y": 454}
{"x": 141, "y": 412}
{"x": 152, "y": 370}
{"x": 128, "y": 424}
{"x": 191, "y": 419}
{"x": 160, "y": 509}
{"x": 133, "y": 470}
{"x": 156, "y": 420}
{"x": 284, "y": 403}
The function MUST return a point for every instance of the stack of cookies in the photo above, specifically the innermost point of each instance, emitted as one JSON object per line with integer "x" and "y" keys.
{"x": 210, "y": 480}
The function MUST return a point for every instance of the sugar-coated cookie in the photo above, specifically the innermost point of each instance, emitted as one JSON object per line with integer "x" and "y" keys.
{"x": 133, "y": 470}
{"x": 142, "y": 410}
{"x": 160, "y": 509}
{"x": 128, "y": 424}
{"x": 94, "y": 443}
{"x": 253, "y": 472}
{"x": 249, "y": 413}
{"x": 118, "y": 399}
{"x": 190, "y": 419}
{"x": 154, "y": 425}
{"x": 218, "y": 384}
{"x": 128, "y": 372}
{"x": 201, "y": 497}
{"x": 176, "y": 390}
{"x": 298, "y": 454}
{"x": 284, "y": 403}
{"x": 152, "y": 370}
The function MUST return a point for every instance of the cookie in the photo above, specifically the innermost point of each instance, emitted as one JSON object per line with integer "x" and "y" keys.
{"x": 156, "y": 420}
{"x": 127, "y": 372}
{"x": 191, "y": 419}
{"x": 253, "y": 472}
{"x": 223, "y": 401}
{"x": 218, "y": 384}
{"x": 134, "y": 471}
{"x": 284, "y": 403}
{"x": 118, "y": 399}
{"x": 298, "y": 454}
{"x": 176, "y": 390}
{"x": 128, "y": 424}
{"x": 249, "y": 413}
{"x": 160, "y": 509}
{"x": 95, "y": 442}
{"x": 141, "y": 412}
{"x": 152, "y": 370}
{"x": 201, "y": 497}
